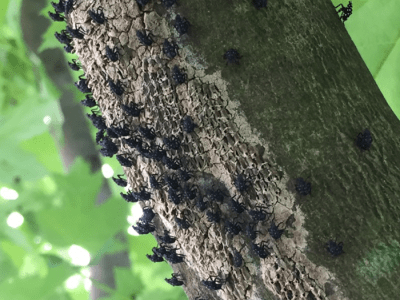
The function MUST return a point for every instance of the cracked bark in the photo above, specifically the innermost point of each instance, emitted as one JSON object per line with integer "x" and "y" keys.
{"x": 146, "y": 73}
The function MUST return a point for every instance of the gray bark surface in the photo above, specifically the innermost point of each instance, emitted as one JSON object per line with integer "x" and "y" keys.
{"x": 292, "y": 108}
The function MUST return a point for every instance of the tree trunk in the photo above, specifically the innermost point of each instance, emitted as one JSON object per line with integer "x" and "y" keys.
{"x": 292, "y": 108}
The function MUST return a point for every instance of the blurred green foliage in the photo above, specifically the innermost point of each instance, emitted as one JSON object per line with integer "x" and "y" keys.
{"x": 59, "y": 209}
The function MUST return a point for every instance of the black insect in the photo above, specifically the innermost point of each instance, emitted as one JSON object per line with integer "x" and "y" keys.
{"x": 68, "y": 6}
{"x": 232, "y": 56}
{"x": 274, "y": 231}
{"x": 173, "y": 164}
{"x": 154, "y": 182}
{"x": 59, "y": 7}
{"x": 116, "y": 88}
{"x": 261, "y": 249}
{"x": 82, "y": 85}
{"x": 181, "y": 24}
{"x": 188, "y": 125}
{"x": 258, "y": 214}
{"x": 63, "y": 37}
{"x": 147, "y": 133}
{"x": 237, "y": 259}
{"x": 76, "y": 33}
{"x": 120, "y": 181}
{"x": 213, "y": 217}
{"x": 345, "y": 11}
{"x": 145, "y": 39}
{"x": 148, "y": 215}
{"x": 109, "y": 148}
{"x": 241, "y": 183}
{"x": 143, "y": 195}
{"x": 170, "y": 49}
{"x": 112, "y": 54}
{"x": 303, "y": 187}
{"x": 74, "y": 65}
{"x": 190, "y": 191}
{"x": 155, "y": 258}
{"x": 88, "y": 101}
{"x": 132, "y": 109}
{"x": 142, "y": 3}
{"x": 111, "y": 133}
{"x": 120, "y": 131}
{"x": 129, "y": 197}
{"x": 260, "y": 3}
{"x": 97, "y": 16}
{"x": 175, "y": 196}
{"x": 251, "y": 232}
{"x": 145, "y": 150}
{"x": 335, "y": 249}
{"x": 237, "y": 207}
{"x": 159, "y": 153}
{"x": 174, "y": 258}
{"x": 144, "y": 228}
{"x": 174, "y": 281}
{"x": 364, "y": 140}
{"x": 182, "y": 223}
{"x": 178, "y": 75}
{"x": 172, "y": 181}
{"x": 125, "y": 162}
{"x": 97, "y": 120}
{"x": 216, "y": 195}
{"x": 168, "y": 3}
{"x": 172, "y": 142}
{"x": 133, "y": 142}
{"x": 166, "y": 238}
{"x": 185, "y": 175}
{"x": 68, "y": 48}
{"x": 201, "y": 204}
{"x": 56, "y": 17}
{"x": 233, "y": 227}
{"x": 213, "y": 284}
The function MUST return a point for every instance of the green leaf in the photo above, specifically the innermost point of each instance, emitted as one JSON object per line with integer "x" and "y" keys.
{"x": 76, "y": 219}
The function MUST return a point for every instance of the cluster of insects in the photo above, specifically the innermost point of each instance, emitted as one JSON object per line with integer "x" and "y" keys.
{"x": 176, "y": 181}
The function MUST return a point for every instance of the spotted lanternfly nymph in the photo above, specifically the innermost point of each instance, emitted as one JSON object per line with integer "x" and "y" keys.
{"x": 147, "y": 133}
{"x": 258, "y": 214}
{"x": 251, "y": 232}
{"x": 233, "y": 227}
{"x": 181, "y": 24}
{"x": 241, "y": 183}
{"x": 213, "y": 284}
{"x": 335, "y": 249}
{"x": 97, "y": 16}
{"x": 188, "y": 125}
{"x": 303, "y": 187}
{"x": 166, "y": 238}
{"x": 190, "y": 191}
{"x": 182, "y": 223}
{"x": 56, "y": 17}
{"x": 216, "y": 195}
{"x": 148, "y": 215}
{"x": 109, "y": 148}
{"x": 132, "y": 109}
{"x": 237, "y": 259}
{"x": 260, "y": 3}
{"x": 274, "y": 231}
{"x": 174, "y": 281}
{"x": 88, "y": 101}
{"x": 63, "y": 37}
{"x": 76, "y": 33}
{"x": 145, "y": 39}
{"x": 82, "y": 85}
{"x": 129, "y": 197}
{"x": 170, "y": 49}
{"x": 155, "y": 258}
{"x": 261, "y": 249}
{"x": 68, "y": 6}
{"x": 173, "y": 164}
{"x": 172, "y": 142}
{"x": 142, "y": 3}
{"x": 232, "y": 56}
{"x": 120, "y": 181}
{"x": 97, "y": 120}
{"x": 144, "y": 228}
{"x": 346, "y": 11}
{"x": 74, "y": 65}
{"x": 124, "y": 161}
{"x": 116, "y": 88}
{"x": 178, "y": 75}
{"x": 237, "y": 207}
{"x": 172, "y": 181}
{"x": 59, "y": 7}
{"x": 175, "y": 196}
{"x": 213, "y": 217}
{"x": 143, "y": 195}
{"x": 185, "y": 175}
{"x": 364, "y": 140}
{"x": 168, "y": 3}
{"x": 68, "y": 48}
{"x": 112, "y": 54}
{"x": 120, "y": 131}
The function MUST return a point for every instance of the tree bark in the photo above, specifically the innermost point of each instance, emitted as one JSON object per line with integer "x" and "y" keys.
{"x": 292, "y": 108}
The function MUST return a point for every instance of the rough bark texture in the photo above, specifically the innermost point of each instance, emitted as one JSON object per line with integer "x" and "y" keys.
{"x": 313, "y": 93}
